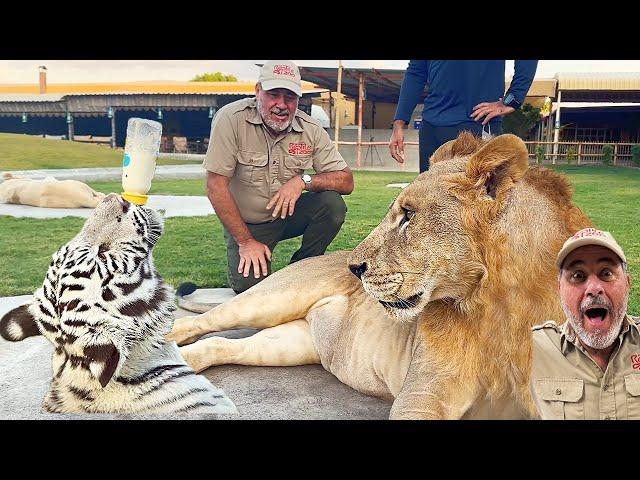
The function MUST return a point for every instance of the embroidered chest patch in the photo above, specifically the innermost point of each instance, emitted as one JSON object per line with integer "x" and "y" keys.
{"x": 635, "y": 362}
{"x": 299, "y": 149}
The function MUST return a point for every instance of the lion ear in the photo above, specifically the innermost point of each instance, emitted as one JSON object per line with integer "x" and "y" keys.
{"x": 464, "y": 145}
{"x": 498, "y": 164}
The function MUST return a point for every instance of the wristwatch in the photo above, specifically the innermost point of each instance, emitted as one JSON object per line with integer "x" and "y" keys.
{"x": 510, "y": 101}
{"x": 306, "y": 178}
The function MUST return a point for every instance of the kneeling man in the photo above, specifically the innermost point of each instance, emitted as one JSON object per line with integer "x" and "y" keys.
{"x": 259, "y": 150}
{"x": 589, "y": 367}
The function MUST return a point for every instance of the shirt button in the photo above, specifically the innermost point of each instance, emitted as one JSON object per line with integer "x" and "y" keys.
{"x": 558, "y": 391}
{"x": 605, "y": 387}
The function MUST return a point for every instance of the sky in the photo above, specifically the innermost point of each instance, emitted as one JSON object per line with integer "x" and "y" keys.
{"x": 102, "y": 71}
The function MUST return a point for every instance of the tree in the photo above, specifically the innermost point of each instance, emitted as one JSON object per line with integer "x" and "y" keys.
{"x": 214, "y": 77}
{"x": 521, "y": 121}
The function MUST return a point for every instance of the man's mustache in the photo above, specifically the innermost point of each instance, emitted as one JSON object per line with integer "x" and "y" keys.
{"x": 597, "y": 300}
{"x": 278, "y": 111}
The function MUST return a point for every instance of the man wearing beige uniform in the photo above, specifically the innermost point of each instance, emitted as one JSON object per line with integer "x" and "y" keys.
{"x": 258, "y": 151}
{"x": 589, "y": 367}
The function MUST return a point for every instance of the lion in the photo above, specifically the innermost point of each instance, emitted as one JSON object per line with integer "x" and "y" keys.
{"x": 433, "y": 309}
{"x": 48, "y": 192}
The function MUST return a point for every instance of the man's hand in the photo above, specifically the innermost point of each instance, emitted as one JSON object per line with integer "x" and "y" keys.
{"x": 286, "y": 198}
{"x": 491, "y": 110}
{"x": 252, "y": 252}
{"x": 396, "y": 144}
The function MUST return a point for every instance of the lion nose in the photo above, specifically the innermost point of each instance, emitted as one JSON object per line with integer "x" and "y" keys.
{"x": 358, "y": 270}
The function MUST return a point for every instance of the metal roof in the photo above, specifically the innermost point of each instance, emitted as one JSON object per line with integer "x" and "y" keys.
{"x": 617, "y": 81}
{"x": 16, "y": 97}
{"x": 136, "y": 88}
{"x": 381, "y": 85}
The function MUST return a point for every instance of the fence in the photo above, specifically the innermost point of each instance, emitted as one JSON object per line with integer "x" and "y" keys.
{"x": 579, "y": 153}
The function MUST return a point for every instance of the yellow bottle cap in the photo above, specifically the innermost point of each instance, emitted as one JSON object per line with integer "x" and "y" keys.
{"x": 135, "y": 198}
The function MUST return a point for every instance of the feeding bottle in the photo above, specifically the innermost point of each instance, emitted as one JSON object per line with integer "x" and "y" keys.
{"x": 139, "y": 163}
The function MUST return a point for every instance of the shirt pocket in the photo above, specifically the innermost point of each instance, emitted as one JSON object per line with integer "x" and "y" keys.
{"x": 251, "y": 167}
{"x": 562, "y": 398}
{"x": 632, "y": 386}
{"x": 296, "y": 166}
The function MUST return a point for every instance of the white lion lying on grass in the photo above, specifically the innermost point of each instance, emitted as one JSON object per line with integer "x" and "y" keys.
{"x": 48, "y": 192}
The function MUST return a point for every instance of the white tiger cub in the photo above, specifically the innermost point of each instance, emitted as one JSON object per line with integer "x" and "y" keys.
{"x": 106, "y": 310}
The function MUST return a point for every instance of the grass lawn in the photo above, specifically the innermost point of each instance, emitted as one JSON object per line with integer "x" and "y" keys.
{"x": 192, "y": 248}
{"x": 24, "y": 152}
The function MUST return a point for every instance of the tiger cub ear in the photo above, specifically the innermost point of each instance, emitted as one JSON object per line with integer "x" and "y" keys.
{"x": 103, "y": 361}
{"x": 18, "y": 324}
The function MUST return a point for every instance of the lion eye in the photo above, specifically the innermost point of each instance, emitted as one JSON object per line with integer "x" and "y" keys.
{"x": 408, "y": 215}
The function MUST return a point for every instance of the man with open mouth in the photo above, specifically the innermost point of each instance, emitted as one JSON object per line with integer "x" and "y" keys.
{"x": 589, "y": 367}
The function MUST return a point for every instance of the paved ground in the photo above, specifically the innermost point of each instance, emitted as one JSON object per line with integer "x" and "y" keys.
{"x": 173, "y": 206}
{"x": 162, "y": 172}
{"x": 305, "y": 392}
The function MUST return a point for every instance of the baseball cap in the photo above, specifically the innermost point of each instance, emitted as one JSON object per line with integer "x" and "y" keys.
{"x": 589, "y": 236}
{"x": 280, "y": 74}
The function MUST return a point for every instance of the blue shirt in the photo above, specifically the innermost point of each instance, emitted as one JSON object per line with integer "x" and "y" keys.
{"x": 456, "y": 86}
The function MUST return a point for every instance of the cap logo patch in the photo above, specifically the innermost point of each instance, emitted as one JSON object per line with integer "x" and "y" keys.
{"x": 588, "y": 232}
{"x": 283, "y": 70}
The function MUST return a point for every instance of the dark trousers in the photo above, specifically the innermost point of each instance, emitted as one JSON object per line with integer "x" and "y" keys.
{"x": 318, "y": 217}
{"x": 431, "y": 137}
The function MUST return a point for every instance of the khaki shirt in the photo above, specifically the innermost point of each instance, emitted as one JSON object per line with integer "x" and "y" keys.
{"x": 567, "y": 384}
{"x": 258, "y": 165}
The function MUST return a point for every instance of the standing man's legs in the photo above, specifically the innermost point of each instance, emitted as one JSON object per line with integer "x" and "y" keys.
{"x": 431, "y": 137}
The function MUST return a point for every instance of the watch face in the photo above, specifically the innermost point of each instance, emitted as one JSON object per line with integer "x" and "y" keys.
{"x": 508, "y": 100}
{"x": 306, "y": 178}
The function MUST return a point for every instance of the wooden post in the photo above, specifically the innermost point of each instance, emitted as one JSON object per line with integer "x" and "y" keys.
{"x": 556, "y": 132}
{"x": 336, "y": 121}
{"x": 615, "y": 153}
{"x": 579, "y": 152}
{"x": 360, "y": 100}
{"x": 113, "y": 129}
{"x": 70, "y": 129}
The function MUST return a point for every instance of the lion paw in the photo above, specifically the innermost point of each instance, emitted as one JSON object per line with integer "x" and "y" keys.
{"x": 183, "y": 331}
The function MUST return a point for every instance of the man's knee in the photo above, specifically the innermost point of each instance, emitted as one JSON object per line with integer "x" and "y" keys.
{"x": 334, "y": 206}
{"x": 239, "y": 283}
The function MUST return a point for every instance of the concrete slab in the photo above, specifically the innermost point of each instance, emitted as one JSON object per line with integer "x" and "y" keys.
{"x": 304, "y": 392}
{"x": 204, "y": 299}
{"x": 111, "y": 174}
{"x": 172, "y": 205}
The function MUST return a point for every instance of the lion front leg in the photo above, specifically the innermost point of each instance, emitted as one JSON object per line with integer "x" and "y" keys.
{"x": 284, "y": 296}
{"x": 433, "y": 391}
{"x": 281, "y": 346}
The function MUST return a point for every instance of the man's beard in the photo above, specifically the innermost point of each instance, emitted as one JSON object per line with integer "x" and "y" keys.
{"x": 597, "y": 339}
{"x": 272, "y": 124}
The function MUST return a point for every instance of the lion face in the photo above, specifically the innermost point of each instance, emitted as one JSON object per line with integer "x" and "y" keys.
{"x": 426, "y": 248}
